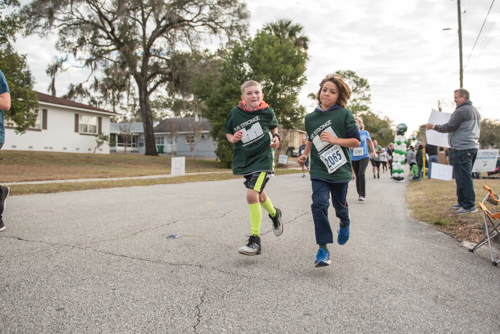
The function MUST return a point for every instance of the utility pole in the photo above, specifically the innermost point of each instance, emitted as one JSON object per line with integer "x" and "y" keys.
{"x": 460, "y": 44}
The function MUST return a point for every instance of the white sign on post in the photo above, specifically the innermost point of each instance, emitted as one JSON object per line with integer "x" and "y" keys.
{"x": 178, "y": 166}
{"x": 436, "y": 138}
{"x": 283, "y": 159}
{"x": 486, "y": 161}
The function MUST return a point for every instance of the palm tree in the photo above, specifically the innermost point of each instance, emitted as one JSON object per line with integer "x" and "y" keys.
{"x": 285, "y": 30}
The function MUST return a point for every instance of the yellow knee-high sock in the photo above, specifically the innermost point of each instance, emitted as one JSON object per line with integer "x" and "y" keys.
{"x": 268, "y": 206}
{"x": 255, "y": 218}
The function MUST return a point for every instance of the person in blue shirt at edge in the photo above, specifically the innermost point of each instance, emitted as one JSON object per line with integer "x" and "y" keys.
{"x": 331, "y": 130}
{"x": 360, "y": 158}
{"x": 4, "y": 105}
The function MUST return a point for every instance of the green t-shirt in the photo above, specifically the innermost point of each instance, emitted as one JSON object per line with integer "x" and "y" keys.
{"x": 340, "y": 121}
{"x": 253, "y": 152}
{"x": 378, "y": 148}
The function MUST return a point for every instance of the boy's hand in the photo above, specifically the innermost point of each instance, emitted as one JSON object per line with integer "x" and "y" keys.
{"x": 328, "y": 137}
{"x": 276, "y": 143}
{"x": 302, "y": 160}
{"x": 237, "y": 136}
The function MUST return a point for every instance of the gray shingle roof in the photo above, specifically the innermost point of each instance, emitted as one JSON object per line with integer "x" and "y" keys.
{"x": 183, "y": 124}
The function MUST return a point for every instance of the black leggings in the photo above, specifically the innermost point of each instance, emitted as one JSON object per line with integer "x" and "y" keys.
{"x": 359, "y": 170}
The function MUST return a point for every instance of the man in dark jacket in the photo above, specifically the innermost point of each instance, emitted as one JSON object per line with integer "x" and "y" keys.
{"x": 463, "y": 130}
{"x": 432, "y": 151}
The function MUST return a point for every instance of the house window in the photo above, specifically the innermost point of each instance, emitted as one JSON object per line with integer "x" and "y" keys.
{"x": 160, "y": 140}
{"x": 37, "y": 125}
{"x": 190, "y": 139}
{"x": 88, "y": 124}
{"x": 141, "y": 141}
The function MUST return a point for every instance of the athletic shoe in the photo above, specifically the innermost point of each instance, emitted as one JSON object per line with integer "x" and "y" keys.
{"x": 343, "y": 235}
{"x": 303, "y": 175}
{"x": 456, "y": 206}
{"x": 322, "y": 258}
{"x": 2, "y": 226}
{"x": 462, "y": 211}
{"x": 361, "y": 198}
{"x": 374, "y": 176}
{"x": 277, "y": 225}
{"x": 4, "y": 193}
{"x": 252, "y": 247}
{"x": 378, "y": 176}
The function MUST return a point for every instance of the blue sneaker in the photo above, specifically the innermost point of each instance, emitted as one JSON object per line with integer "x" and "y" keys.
{"x": 322, "y": 258}
{"x": 343, "y": 235}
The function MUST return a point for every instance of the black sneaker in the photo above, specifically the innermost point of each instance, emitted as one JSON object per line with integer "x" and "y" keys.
{"x": 252, "y": 248}
{"x": 378, "y": 176}
{"x": 277, "y": 225}
{"x": 2, "y": 226}
{"x": 5, "y": 191}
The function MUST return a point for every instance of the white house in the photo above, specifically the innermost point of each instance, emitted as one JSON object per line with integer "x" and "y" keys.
{"x": 171, "y": 134}
{"x": 61, "y": 126}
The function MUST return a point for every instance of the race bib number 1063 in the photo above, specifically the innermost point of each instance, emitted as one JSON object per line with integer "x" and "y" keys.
{"x": 333, "y": 158}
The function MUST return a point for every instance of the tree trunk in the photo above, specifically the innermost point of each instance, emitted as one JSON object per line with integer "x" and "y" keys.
{"x": 147, "y": 119}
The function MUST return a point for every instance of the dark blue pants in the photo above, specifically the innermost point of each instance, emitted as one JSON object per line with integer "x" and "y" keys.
{"x": 321, "y": 202}
{"x": 463, "y": 161}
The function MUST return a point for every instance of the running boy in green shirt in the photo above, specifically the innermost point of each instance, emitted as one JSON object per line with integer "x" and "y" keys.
{"x": 332, "y": 130}
{"x": 247, "y": 127}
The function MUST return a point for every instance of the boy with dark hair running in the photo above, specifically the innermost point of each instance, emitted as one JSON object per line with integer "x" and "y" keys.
{"x": 332, "y": 130}
{"x": 247, "y": 127}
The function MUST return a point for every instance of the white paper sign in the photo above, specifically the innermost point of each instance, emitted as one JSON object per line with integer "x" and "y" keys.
{"x": 441, "y": 172}
{"x": 486, "y": 161}
{"x": 283, "y": 159}
{"x": 436, "y": 138}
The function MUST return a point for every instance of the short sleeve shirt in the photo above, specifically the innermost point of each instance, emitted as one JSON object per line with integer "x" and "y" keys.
{"x": 341, "y": 121}
{"x": 4, "y": 88}
{"x": 253, "y": 153}
{"x": 362, "y": 150}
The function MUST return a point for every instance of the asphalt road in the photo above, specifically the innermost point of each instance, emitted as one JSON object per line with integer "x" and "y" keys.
{"x": 99, "y": 261}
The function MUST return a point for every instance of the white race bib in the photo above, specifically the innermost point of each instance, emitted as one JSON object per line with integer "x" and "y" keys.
{"x": 358, "y": 152}
{"x": 333, "y": 158}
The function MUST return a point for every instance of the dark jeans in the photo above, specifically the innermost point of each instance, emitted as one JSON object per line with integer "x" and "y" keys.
{"x": 432, "y": 158}
{"x": 321, "y": 202}
{"x": 359, "y": 170}
{"x": 463, "y": 161}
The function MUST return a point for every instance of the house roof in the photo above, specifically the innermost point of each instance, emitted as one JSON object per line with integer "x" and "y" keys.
{"x": 134, "y": 127}
{"x": 45, "y": 98}
{"x": 183, "y": 125}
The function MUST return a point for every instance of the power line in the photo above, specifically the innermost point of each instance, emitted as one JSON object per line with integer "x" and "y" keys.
{"x": 480, "y": 32}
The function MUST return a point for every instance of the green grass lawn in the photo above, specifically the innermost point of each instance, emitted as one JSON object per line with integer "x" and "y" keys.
{"x": 23, "y": 166}
{"x": 20, "y": 166}
{"x": 431, "y": 200}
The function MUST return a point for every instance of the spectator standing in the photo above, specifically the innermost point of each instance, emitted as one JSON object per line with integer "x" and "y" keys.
{"x": 390, "y": 151}
{"x": 432, "y": 151}
{"x": 463, "y": 130}
{"x": 4, "y": 105}
{"x": 420, "y": 159}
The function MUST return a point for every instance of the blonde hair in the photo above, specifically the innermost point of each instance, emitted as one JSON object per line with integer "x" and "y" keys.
{"x": 360, "y": 120}
{"x": 343, "y": 87}
{"x": 249, "y": 83}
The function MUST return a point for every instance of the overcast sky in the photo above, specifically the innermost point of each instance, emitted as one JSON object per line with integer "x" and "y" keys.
{"x": 400, "y": 47}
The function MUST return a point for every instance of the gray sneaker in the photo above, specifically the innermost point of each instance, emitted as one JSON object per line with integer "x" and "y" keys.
{"x": 462, "y": 211}
{"x": 252, "y": 247}
{"x": 456, "y": 206}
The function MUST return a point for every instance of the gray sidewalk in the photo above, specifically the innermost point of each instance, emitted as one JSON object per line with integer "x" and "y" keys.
{"x": 99, "y": 261}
